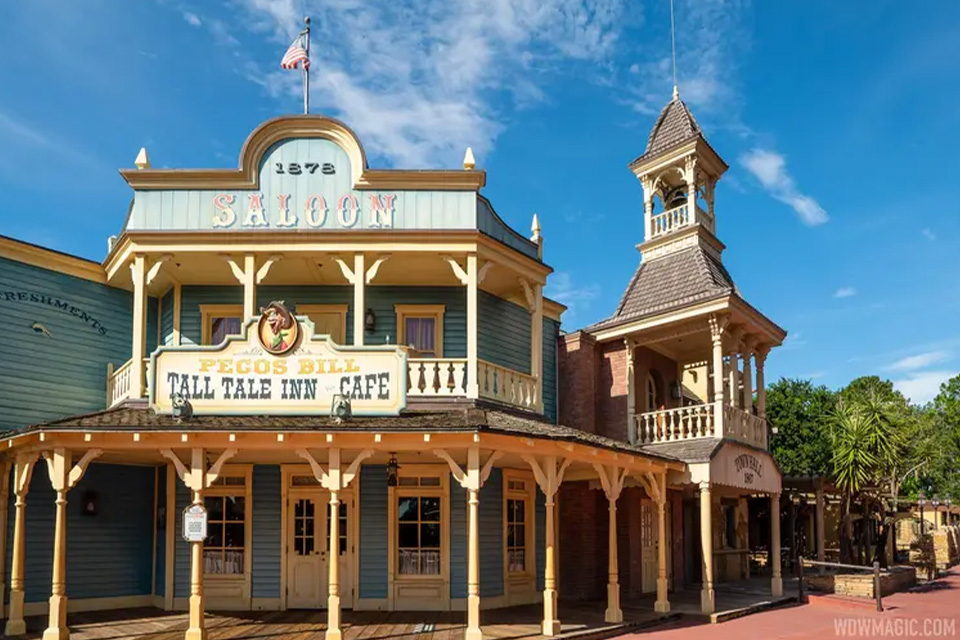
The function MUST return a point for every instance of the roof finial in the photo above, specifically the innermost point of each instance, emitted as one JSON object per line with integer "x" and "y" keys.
{"x": 468, "y": 162}
{"x": 535, "y": 228}
{"x": 142, "y": 161}
{"x": 673, "y": 45}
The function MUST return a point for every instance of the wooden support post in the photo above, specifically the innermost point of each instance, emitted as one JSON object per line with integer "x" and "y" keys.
{"x": 632, "y": 435}
{"x": 22, "y": 473}
{"x": 177, "y": 301}
{"x": 820, "y": 532}
{"x": 776, "y": 581}
{"x": 63, "y": 477}
{"x": 549, "y": 476}
{"x": 473, "y": 386}
{"x": 611, "y": 479}
{"x": 717, "y": 326}
{"x": 707, "y": 602}
{"x": 333, "y": 556}
{"x": 138, "y": 271}
{"x": 662, "y": 604}
{"x": 359, "y": 298}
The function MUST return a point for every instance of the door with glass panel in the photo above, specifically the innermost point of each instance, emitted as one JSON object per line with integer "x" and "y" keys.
{"x": 307, "y": 551}
{"x": 649, "y": 531}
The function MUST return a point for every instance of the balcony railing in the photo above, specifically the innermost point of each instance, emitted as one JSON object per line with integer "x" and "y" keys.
{"x": 677, "y": 218}
{"x": 700, "y": 421}
{"x": 426, "y": 378}
{"x": 508, "y": 386}
{"x": 682, "y": 423}
{"x": 119, "y": 381}
{"x": 437, "y": 377}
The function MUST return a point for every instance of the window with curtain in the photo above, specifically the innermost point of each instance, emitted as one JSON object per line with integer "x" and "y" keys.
{"x": 224, "y": 549}
{"x": 418, "y": 535}
{"x": 420, "y": 333}
{"x": 516, "y": 535}
{"x": 220, "y": 328}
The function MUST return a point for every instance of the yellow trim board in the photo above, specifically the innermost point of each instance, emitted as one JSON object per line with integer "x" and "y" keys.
{"x": 36, "y": 256}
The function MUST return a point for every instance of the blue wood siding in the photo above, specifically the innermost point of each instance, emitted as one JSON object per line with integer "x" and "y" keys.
{"x": 503, "y": 333}
{"x": 373, "y": 531}
{"x": 166, "y": 318}
{"x": 181, "y": 548}
{"x": 108, "y": 554}
{"x": 382, "y": 300}
{"x": 160, "y": 577}
{"x": 491, "y": 537}
{"x": 267, "y": 542}
{"x": 551, "y": 333}
{"x": 90, "y": 322}
{"x": 541, "y": 534}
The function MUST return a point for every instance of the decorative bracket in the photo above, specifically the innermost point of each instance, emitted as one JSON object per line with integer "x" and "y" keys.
{"x": 329, "y": 479}
{"x": 62, "y": 478}
{"x": 155, "y": 268}
{"x": 463, "y": 477}
{"x": 482, "y": 272}
{"x": 458, "y": 271}
{"x": 611, "y": 478}
{"x": 265, "y": 267}
{"x": 375, "y": 267}
{"x": 23, "y": 471}
{"x": 348, "y": 273}
{"x": 548, "y": 475}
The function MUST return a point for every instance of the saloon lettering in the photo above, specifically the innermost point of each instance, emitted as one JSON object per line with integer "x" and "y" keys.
{"x": 373, "y": 211}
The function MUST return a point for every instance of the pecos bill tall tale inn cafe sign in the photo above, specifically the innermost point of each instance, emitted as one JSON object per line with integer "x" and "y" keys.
{"x": 278, "y": 367}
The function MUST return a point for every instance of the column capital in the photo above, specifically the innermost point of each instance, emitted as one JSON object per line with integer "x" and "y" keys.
{"x": 703, "y": 487}
{"x": 718, "y": 324}
{"x": 750, "y": 342}
{"x": 761, "y": 352}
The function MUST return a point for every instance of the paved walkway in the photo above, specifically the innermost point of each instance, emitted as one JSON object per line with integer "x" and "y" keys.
{"x": 928, "y": 611}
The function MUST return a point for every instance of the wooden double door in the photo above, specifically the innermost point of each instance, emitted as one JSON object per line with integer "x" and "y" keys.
{"x": 308, "y": 549}
{"x": 650, "y": 543}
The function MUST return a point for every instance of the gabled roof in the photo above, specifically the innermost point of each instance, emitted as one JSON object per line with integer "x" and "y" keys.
{"x": 672, "y": 281}
{"x": 675, "y": 125}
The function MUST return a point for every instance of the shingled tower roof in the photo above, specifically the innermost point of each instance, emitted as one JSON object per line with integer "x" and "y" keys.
{"x": 675, "y": 125}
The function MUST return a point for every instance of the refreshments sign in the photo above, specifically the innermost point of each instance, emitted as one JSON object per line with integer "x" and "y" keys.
{"x": 277, "y": 367}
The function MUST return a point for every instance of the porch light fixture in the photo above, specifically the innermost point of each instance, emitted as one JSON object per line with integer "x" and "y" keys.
{"x": 393, "y": 470}
{"x": 90, "y": 503}
{"x": 370, "y": 320}
{"x": 921, "y": 501}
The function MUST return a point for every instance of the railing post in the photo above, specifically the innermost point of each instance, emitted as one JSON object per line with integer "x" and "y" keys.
{"x": 800, "y": 597}
{"x": 876, "y": 585}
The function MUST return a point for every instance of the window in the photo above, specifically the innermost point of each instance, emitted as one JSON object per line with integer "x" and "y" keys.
{"x": 516, "y": 535}
{"x": 220, "y": 321}
{"x": 651, "y": 394}
{"x": 421, "y": 328}
{"x": 223, "y": 550}
{"x": 327, "y": 319}
{"x": 418, "y": 535}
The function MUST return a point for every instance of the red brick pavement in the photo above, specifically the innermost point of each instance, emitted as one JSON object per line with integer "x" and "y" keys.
{"x": 928, "y": 611}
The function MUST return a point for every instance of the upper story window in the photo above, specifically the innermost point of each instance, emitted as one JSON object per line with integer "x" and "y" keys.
{"x": 220, "y": 321}
{"x": 328, "y": 319}
{"x": 420, "y": 327}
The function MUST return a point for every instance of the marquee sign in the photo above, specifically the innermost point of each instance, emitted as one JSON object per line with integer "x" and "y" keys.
{"x": 736, "y": 465}
{"x": 278, "y": 367}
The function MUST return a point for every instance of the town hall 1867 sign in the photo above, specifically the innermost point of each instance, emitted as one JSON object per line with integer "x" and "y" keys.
{"x": 277, "y": 367}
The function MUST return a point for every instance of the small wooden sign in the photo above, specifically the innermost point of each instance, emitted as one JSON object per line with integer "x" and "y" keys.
{"x": 194, "y": 523}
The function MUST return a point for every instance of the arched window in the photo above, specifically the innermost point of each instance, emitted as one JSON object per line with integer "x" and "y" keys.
{"x": 651, "y": 393}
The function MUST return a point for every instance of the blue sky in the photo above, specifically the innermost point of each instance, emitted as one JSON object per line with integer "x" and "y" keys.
{"x": 838, "y": 121}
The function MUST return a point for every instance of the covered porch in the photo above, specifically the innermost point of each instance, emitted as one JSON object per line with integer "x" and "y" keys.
{"x": 580, "y": 621}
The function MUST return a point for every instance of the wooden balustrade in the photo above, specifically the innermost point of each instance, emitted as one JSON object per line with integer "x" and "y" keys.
{"x": 437, "y": 377}
{"x": 677, "y": 218}
{"x": 508, "y": 386}
{"x": 744, "y": 426}
{"x": 119, "y": 379}
{"x": 682, "y": 423}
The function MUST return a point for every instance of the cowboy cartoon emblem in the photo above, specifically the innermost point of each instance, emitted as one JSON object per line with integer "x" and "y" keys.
{"x": 277, "y": 330}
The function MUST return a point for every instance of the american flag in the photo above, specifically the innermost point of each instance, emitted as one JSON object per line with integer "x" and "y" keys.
{"x": 295, "y": 55}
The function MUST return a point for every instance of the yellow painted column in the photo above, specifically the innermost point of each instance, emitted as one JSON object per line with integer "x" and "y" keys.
{"x": 359, "y": 298}
{"x": 473, "y": 386}
{"x": 4, "y": 509}
{"x": 632, "y": 435}
{"x": 717, "y": 325}
{"x": 776, "y": 582}
{"x": 551, "y": 625}
{"x": 473, "y": 562}
{"x": 821, "y": 534}
{"x": 707, "y": 604}
{"x": 139, "y": 345}
{"x": 58, "y": 464}
{"x": 23, "y": 470}
{"x": 249, "y": 286}
{"x": 333, "y": 570}
{"x": 662, "y": 605}
{"x": 197, "y": 628}
{"x": 536, "y": 342}
{"x": 613, "y": 612}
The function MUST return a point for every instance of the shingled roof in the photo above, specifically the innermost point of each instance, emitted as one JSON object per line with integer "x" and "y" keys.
{"x": 675, "y": 125}
{"x": 672, "y": 281}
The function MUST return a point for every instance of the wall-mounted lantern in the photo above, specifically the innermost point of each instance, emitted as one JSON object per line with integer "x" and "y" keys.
{"x": 370, "y": 320}
{"x": 90, "y": 503}
{"x": 393, "y": 470}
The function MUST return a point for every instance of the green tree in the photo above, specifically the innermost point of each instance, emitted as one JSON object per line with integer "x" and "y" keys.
{"x": 800, "y": 412}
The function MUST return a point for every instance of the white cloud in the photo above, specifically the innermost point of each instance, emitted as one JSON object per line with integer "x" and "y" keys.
{"x": 561, "y": 287}
{"x": 845, "y": 292}
{"x": 922, "y": 387}
{"x": 928, "y": 234}
{"x": 418, "y": 80}
{"x": 770, "y": 168}
{"x": 191, "y": 18}
{"x": 918, "y": 361}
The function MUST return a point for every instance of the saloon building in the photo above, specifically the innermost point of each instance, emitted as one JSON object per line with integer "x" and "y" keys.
{"x": 309, "y": 384}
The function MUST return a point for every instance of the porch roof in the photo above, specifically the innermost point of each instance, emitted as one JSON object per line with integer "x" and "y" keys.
{"x": 476, "y": 417}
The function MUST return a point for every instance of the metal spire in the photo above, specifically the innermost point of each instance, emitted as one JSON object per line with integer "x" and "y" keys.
{"x": 673, "y": 44}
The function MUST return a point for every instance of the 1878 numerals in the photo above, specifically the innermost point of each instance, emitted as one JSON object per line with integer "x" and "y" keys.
{"x": 295, "y": 168}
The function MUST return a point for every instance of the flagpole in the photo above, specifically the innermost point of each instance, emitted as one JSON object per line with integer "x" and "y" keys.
{"x": 306, "y": 67}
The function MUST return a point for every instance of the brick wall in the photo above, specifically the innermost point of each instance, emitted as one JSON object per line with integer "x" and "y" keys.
{"x": 630, "y": 564}
{"x": 676, "y": 512}
{"x": 583, "y": 542}
{"x": 612, "y": 390}
{"x": 577, "y": 362}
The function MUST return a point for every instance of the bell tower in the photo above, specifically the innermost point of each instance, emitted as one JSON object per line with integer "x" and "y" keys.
{"x": 679, "y": 171}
